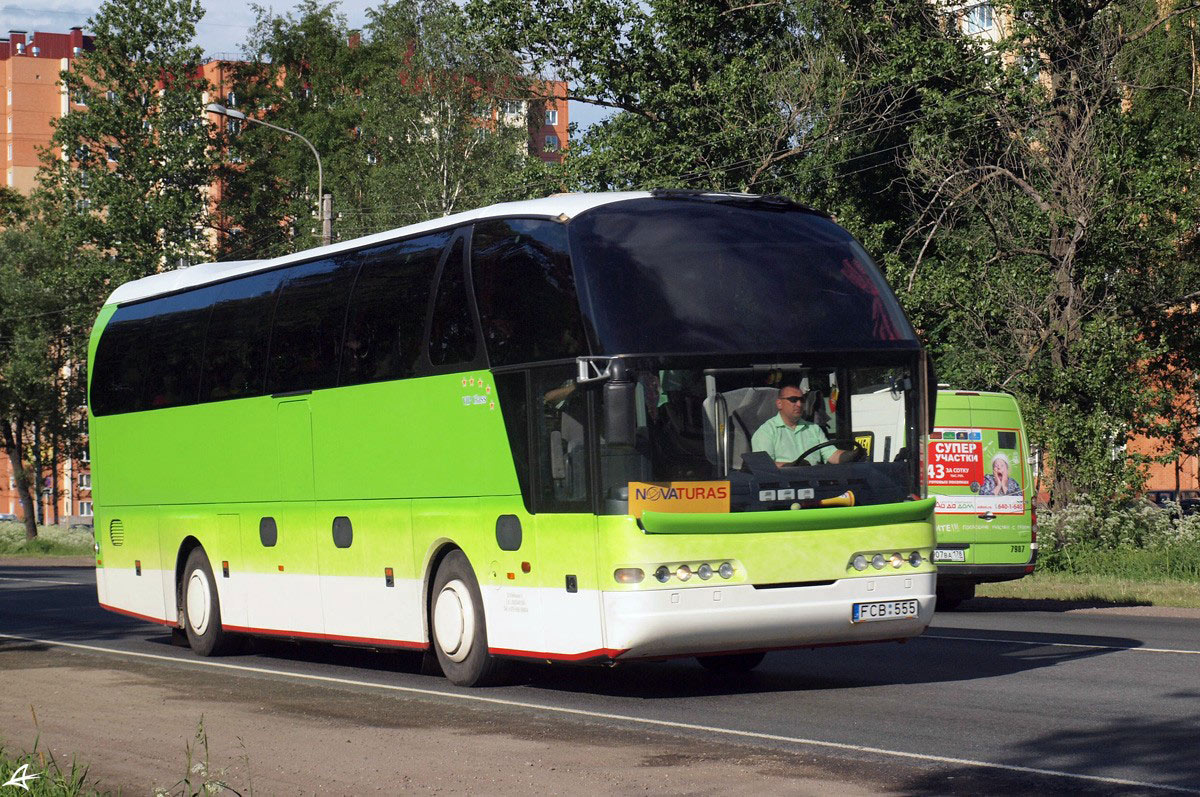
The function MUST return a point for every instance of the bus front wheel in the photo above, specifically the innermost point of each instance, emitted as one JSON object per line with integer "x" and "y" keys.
{"x": 201, "y": 607}
{"x": 458, "y": 627}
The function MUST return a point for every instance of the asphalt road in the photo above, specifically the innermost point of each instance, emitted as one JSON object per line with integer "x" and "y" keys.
{"x": 999, "y": 698}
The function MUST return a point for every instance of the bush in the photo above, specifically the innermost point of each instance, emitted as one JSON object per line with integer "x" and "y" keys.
{"x": 51, "y": 541}
{"x": 1141, "y": 541}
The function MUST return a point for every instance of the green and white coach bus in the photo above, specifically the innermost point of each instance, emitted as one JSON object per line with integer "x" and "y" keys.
{"x": 521, "y": 431}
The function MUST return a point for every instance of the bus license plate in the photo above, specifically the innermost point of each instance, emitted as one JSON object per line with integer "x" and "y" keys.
{"x": 884, "y": 610}
{"x": 949, "y": 555}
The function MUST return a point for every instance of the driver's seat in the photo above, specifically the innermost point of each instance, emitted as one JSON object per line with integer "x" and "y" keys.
{"x": 746, "y": 408}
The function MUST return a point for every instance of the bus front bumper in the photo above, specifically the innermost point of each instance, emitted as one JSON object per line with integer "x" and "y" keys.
{"x": 719, "y": 619}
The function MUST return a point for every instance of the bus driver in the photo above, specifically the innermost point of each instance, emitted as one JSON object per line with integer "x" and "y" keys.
{"x": 787, "y": 435}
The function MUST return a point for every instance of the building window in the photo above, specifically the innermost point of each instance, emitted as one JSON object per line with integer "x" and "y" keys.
{"x": 110, "y": 95}
{"x": 979, "y": 19}
{"x": 10, "y": 125}
{"x": 85, "y": 508}
{"x": 231, "y": 100}
{"x": 85, "y": 481}
{"x": 10, "y": 151}
{"x": 111, "y": 152}
{"x": 513, "y": 108}
{"x": 86, "y": 456}
{"x": 551, "y": 144}
{"x": 77, "y": 97}
{"x": 234, "y": 126}
{"x": 371, "y": 159}
{"x": 552, "y": 117}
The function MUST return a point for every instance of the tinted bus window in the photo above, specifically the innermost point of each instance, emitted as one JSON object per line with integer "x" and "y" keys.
{"x": 525, "y": 291}
{"x": 235, "y": 353}
{"x": 451, "y": 334}
{"x": 387, "y": 310}
{"x": 690, "y": 276}
{"x": 306, "y": 334}
{"x": 119, "y": 368}
{"x": 176, "y": 349}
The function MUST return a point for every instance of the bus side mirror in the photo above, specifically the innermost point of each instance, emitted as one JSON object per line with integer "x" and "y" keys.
{"x": 620, "y": 413}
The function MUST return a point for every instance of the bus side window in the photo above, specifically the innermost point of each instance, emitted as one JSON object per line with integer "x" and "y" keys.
{"x": 525, "y": 291}
{"x": 175, "y": 349}
{"x": 121, "y": 360}
{"x": 451, "y": 332}
{"x": 561, "y": 439}
{"x": 235, "y": 349}
{"x": 387, "y": 310}
{"x": 306, "y": 333}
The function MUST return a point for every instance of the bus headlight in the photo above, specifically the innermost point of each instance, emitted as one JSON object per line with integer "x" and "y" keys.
{"x": 897, "y": 560}
{"x": 878, "y": 562}
{"x": 683, "y": 573}
{"x": 915, "y": 559}
{"x": 663, "y": 574}
{"x": 705, "y": 571}
{"x": 725, "y": 570}
{"x": 859, "y": 562}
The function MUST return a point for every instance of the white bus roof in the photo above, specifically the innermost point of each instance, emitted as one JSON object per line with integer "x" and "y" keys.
{"x": 569, "y": 205}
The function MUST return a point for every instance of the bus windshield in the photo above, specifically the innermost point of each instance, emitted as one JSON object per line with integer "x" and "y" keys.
{"x": 780, "y": 434}
{"x": 691, "y": 276}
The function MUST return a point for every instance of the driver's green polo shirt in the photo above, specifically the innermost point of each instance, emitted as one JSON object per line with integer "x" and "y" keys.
{"x": 786, "y": 445}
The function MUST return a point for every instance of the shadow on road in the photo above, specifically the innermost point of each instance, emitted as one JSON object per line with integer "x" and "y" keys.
{"x": 1041, "y": 605}
{"x": 1165, "y": 750}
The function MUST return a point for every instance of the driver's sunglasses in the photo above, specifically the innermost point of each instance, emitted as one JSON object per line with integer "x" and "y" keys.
{"x": 794, "y": 399}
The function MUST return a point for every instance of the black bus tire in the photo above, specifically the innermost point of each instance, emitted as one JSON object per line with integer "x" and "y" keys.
{"x": 202, "y": 607}
{"x": 457, "y": 626}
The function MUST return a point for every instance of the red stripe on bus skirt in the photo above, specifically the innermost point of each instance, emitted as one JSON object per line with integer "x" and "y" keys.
{"x": 145, "y": 617}
{"x": 600, "y": 653}
{"x": 355, "y": 640}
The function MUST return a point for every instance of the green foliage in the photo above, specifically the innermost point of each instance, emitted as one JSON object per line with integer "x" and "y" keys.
{"x": 51, "y": 541}
{"x": 408, "y": 121}
{"x": 134, "y": 165}
{"x": 1140, "y": 541}
{"x": 51, "y": 781}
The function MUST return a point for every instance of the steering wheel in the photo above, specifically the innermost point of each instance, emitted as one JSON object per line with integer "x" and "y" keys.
{"x": 860, "y": 453}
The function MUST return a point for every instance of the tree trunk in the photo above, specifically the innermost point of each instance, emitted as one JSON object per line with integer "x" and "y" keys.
{"x": 14, "y": 447}
{"x": 55, "y": 463}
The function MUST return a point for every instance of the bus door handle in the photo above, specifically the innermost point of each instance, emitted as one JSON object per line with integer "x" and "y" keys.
{"x": 989, "y": 516}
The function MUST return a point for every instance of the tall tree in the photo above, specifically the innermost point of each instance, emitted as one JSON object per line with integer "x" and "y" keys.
{"x": 43, "y": 338}
{"x": 1062, "y": 264}
{"x": 405, "y": 115}
{"x": 132, "y": 168}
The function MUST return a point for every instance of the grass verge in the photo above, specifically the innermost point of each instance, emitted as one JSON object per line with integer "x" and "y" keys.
{"x": 41, "y": 774}
{"x": 1096, "y": 588}
{"x": 51, "y": 541}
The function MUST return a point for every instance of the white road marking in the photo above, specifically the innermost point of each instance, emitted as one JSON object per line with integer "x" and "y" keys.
{"x": 645, "y": 721}
{"x": 49, "y": 581}
{"x": 1001, "y": 640}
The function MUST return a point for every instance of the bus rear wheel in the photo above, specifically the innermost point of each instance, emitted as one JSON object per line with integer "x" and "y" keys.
{"x": 202, "y": 607}
{"x": 731, "y": 663}
{"x": 458, "y": 626}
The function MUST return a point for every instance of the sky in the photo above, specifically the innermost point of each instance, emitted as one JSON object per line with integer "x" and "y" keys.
{"x": 220, "y": 33}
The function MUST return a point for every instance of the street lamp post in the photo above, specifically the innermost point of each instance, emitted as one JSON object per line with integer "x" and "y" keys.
{"x": 326, "y": 200}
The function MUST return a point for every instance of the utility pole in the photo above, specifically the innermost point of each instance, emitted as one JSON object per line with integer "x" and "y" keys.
{"x": 327, "y": 219}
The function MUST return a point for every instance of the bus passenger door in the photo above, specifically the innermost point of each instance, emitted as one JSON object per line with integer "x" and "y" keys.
{"x": 289, "y": 594}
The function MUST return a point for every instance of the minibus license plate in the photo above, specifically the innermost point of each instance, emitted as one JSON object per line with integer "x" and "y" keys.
{"x": 949, "y": 555}
{"x": 884, "y": 610}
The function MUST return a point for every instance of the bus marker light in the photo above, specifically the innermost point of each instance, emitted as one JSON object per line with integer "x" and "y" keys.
{"x": 137, "y": 566}
{"x": 662, "y": 574}
{"x": 629, "y": 575}
{"x": 512, "y": 576}
{"x": 683, "y": 573}
{"x": 726, "y": 570}
{"x": 859, "y": 563}
{"x": 525, "y": 567}
{"x": 281, "y": 568}
{"x": 705, "y": 571}
{"x": 389, "y": 578}
{"x": 897, "y": 560}
{"x": 225, "y": 569}
{"x": 878, "y": 562}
